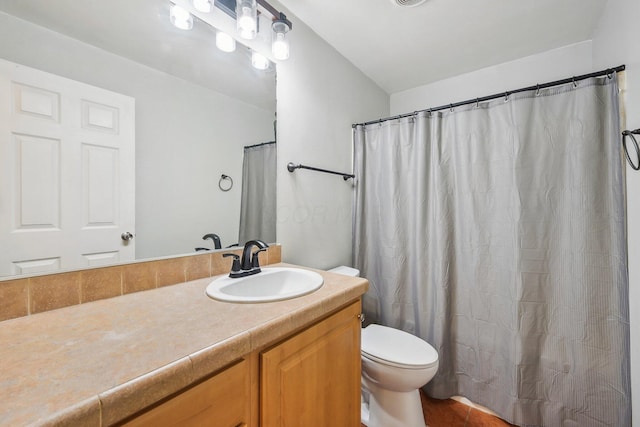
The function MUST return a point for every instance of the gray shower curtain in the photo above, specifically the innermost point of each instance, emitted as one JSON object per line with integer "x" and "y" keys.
{"x": 496, "y": 233}
{"x": 258, "y": 199}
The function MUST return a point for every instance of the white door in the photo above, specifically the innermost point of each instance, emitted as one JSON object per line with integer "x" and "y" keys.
{"x": 67, "y": 173}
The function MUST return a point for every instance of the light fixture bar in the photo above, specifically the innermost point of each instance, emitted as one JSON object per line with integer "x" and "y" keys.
{"x": 273, "y": 11}
{"x": 229, "y": 7}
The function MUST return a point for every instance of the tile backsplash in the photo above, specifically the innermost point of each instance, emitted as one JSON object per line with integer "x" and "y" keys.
{"x": 22, "y": 297}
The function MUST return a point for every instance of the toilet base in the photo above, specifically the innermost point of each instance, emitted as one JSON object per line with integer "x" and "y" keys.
{"x": 387, "y": 408}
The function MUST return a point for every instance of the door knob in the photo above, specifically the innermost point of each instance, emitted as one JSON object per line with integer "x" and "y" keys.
{"x": 126, "y": 236}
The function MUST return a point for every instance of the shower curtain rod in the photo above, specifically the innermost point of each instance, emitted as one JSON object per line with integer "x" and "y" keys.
{"x": 259, "y": 145}
{"x": 500, "y": 95}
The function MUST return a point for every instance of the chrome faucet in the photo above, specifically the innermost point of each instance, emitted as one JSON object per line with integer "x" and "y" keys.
{"x": 249, "y": 264}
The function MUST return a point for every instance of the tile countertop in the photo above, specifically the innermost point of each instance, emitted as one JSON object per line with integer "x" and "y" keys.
{"x": 98, "y": 363}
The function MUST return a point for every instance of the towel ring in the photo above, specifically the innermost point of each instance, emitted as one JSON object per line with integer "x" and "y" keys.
{"x": 222, "y": 186}
{"x": 630, "y": 133}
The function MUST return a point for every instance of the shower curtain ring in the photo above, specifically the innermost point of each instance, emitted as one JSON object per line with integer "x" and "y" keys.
{"x": 451, "y": 108}
{"x": 477, "y": 103}
{"x": 537, "y": 89}
{"x": 575, "y": 83}
{"x": 610, "y": 74}
{"x": 506, "y": 96}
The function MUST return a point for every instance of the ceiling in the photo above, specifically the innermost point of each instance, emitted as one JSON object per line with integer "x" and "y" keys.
{"x": 140, "y": 30}
{"x": 401, "y": 48}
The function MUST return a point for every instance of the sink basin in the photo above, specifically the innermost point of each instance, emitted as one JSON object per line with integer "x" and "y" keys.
{"x": 271, "y": 284}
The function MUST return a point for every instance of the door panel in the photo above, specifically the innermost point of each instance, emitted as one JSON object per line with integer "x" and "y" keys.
{"x": 100, "y": 185}
{"x": 101, "y": 259}
{"x": 100, "y": 117}
{"x": 36, "y": 102}
{"x": 36, "y": 266}
{"x": 37, "y": 183}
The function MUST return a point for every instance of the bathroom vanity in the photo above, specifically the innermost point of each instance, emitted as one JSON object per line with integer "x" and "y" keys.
{"x": 306, "y": 379}
{"x": 173, "y": 356}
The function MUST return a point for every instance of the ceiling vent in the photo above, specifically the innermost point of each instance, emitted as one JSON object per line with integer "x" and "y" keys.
{"x": 408, "y": 3}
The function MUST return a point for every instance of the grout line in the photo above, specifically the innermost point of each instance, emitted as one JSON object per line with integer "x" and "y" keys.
{"x": 28, "y": 296}
{"x": 466, "y": 421}
{"x": 121, "y": 280}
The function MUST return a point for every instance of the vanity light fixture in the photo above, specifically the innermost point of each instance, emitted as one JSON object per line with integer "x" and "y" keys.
{"x": 259, "y": 61}
{"x": 204, "y": 6}
{"x": 225, "y": 42}
{"x": 243, "y": 12}
{"x": 246, "y": 14}
{"x": 280, "y": 41}
{"x": 247, "y": 18}
{"x": 180, "y": 17}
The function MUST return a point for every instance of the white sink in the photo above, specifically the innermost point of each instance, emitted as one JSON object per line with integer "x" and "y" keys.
{"x": 271, "y": 284}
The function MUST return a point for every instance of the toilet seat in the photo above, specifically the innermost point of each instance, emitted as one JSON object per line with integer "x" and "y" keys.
{"x": 394, "y": 347}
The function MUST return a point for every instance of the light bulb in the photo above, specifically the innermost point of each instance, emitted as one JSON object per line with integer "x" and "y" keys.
{"x": 180, "y": 17}
{"x": 280, "y": 42}
{"x": 202, "y": 5}
{"x": 280, "y": 48}
{"x": 225, "y": 42}
{"x": 259, "y": 61}
{"x": 247, "y": 18}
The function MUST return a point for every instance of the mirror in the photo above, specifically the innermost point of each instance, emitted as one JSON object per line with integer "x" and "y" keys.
{"x": 196, "y": 108}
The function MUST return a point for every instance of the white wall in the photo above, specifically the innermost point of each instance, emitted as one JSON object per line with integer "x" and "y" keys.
{"x": 552, "y": 65}
{"x": 320, "y": 94}
{"x": 616, "y": 42}
{"x": 186, "y": 137}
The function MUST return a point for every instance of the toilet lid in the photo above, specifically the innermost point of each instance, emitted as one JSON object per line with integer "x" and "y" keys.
{"x": 396, "y": 347}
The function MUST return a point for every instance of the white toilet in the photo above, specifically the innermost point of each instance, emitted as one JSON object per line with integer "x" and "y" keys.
{"x": 395, "y": 364}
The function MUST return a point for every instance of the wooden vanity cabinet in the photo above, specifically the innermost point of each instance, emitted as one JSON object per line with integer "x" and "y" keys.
{"x": 313, "y": 378}
{"x": 310, "y": 379}
{"x": 221, "y": 401}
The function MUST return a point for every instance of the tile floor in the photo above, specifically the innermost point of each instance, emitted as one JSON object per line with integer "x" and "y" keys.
{"x": 449, "y": 413}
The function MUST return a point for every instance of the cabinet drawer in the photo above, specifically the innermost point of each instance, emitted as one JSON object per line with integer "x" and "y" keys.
{"x": 222, "y": 401}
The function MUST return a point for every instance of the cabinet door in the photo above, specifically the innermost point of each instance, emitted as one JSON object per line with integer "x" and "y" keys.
{"x": 222, "y": 401}
{"x": 313, "y": 378}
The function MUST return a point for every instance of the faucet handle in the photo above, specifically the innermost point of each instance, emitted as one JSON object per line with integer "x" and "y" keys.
{"x": 235, "y": 266}
{"x": 255, "y": 262}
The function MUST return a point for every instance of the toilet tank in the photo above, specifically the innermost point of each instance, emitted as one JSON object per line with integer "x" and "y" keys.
{"x": 347, "y": 271}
